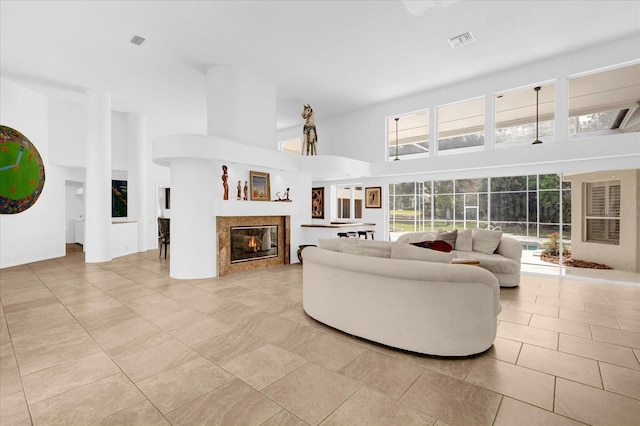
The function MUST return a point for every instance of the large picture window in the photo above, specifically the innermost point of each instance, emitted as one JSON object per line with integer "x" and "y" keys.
{"x": 525, "y": 206}
{"x": 602, "y": 212}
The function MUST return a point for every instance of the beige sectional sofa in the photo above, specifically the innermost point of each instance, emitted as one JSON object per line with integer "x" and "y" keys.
{"x": 382, "y": 292}
{"x": 498, "y": 253}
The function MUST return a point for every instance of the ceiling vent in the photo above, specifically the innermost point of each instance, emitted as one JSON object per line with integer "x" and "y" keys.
{"x": 137, "y": 40}
{"x": 461, "y": 40}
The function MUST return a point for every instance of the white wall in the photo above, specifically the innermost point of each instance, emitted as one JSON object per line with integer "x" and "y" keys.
{"x": 369, "y": 215}
{"x": 39, "y": 232}
{"x": 119, "y": 150}
{"x": 160, "y": 176}
{"x": 67, "y": 133}
{"x": 74, "y": 201}
{"x": 361, "y": 134}
{"x": 299, "y": 209}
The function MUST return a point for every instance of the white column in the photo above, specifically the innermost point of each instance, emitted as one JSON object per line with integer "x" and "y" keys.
{"x": 98, "y": 177}
{"x": 137, "y": 177}
{"x": 241, "y": 106}
{"x": 193, "y": 227}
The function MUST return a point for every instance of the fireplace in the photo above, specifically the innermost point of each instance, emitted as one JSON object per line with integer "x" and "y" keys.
{"x": 250, "y": 243}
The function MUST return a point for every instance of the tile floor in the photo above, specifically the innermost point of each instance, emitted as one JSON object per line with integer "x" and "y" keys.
{"x": 123, "y": 343}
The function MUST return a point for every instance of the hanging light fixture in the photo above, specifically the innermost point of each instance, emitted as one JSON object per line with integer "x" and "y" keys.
{"x": 537, "y": 89}
{"x": 396, "y": 159}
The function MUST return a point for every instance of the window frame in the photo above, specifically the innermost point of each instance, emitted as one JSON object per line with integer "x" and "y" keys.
{"x": 473, "y": 148}
{"x": 390, "y": 131}
{"x": 355, "y": 206}
{"x": 608, "y": 215}
{"x": 298, "y": 140}
{"x": 548, "y": 86}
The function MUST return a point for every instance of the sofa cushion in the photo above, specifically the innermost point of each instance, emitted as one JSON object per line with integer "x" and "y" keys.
{"x": 485, "y": 241}
{"x": 333, "y": 244}
{"x": 497, "y": 264}
{"x": 367, "y": 247}
{"x": 407, "y": 251}
{"x": 437, "y": 245}
{"x": 464, "y": 240}
{"x": 448, "y": 236}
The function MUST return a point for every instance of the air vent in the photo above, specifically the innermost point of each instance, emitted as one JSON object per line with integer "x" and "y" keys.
{"x": 137, "y": 40}
{"x": 461, "y": 40}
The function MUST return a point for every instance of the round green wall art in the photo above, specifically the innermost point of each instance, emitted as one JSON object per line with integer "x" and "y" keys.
{"x": 21, "y": 172}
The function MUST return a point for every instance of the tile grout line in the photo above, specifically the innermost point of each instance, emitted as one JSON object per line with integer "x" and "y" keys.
{"x": 15, "y": 358}
{"x": 104, "y": 352}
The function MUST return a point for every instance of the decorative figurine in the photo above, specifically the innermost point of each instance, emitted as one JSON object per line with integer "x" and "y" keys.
{"x": 284, "y": 197}
{"x": 225, "y": 184}
{"x": 246, "y": 190}
{"x": 309, "y": 133}
{"x": 239, "y": 191}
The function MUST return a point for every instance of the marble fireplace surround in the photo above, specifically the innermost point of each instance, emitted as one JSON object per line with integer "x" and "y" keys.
{"x": 223, "y": 231}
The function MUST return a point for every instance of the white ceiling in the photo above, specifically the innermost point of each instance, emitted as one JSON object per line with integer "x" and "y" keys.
{"x": 336, "y": 55}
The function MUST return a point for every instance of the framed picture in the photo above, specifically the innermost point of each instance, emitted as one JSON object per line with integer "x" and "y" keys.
{"x": 259, "y": 186}
{"x": 118, "y": 198}
{"x": 373, "y": 197}
{"x": 317, "y": 203}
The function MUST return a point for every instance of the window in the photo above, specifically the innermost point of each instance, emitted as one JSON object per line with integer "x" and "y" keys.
{"x": 413, "y": 135}
{"x": 292, "y": 146}
{"x": 526, "y": 206}
{"x": 461, "y": 126}
{"x": 349, "y": 202}
{"x": 603, "y": 212}
{"x": 516, "y": 115}
{"x": 605, "y": 102}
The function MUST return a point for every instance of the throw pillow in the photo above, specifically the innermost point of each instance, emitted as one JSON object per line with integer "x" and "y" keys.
{"x": 437, "y": 245}
{"x": 369, "y": 248}
{"x": 448, "y": 236}
{"x": 485, "y": 241}
{"x": 407, "y": 251}
{"x": 464, "y": 241}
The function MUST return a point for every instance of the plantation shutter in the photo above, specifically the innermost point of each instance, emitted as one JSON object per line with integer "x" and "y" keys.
{"x": 603, "y": 212}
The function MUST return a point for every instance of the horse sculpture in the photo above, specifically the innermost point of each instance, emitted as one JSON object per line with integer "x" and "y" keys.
{"x": 309, "y": 134}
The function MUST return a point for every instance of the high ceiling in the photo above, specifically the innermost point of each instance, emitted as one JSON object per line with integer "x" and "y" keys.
{"x": 336, "y": 55}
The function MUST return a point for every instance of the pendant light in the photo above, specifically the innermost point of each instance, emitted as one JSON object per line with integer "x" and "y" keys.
{"x": 396, "y": 159}
{"x": 537, "y": 89}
